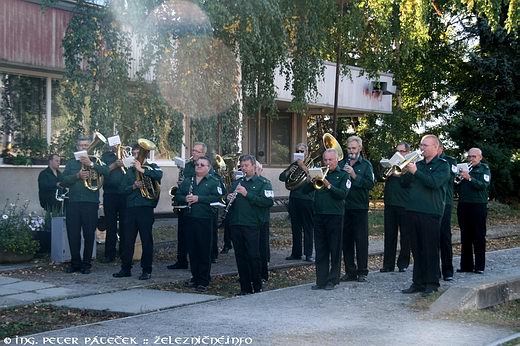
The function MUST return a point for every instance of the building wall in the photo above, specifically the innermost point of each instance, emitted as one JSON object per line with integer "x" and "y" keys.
{"x": 31, "y": 37}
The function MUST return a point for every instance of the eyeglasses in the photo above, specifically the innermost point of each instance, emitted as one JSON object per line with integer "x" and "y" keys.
{"x": 200, "y": 165}
{"x": 472, "y": 156}
{"x": 300, "y": 151}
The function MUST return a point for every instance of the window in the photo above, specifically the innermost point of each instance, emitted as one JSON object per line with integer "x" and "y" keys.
{"x": 274, "y": 139}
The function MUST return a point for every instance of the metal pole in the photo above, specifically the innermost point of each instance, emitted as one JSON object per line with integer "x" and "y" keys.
{"x": 48, "y": 109}
{"x": 336, "y": 89}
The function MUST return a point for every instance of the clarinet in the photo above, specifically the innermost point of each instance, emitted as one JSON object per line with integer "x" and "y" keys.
{"x": 231, "y": 199}
{"x": 190, "y": 192}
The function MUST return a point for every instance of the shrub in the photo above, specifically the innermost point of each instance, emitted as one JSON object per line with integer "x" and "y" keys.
{"x": 16, "y": 227}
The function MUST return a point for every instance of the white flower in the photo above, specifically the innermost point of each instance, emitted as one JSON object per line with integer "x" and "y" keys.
{"x": 5, "y": 217}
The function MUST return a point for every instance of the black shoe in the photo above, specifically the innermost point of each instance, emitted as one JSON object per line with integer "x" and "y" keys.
{"x": 329, "y": 286}
{"x": 402, "y": 270}
{"x": 428, "y": 292}
{"x": 309, "y": 259}
{"x": 201, "y": 288}
{"x": 478, "y": 271}
{"x": 244, "y": 293}
{"x": 190, "y": 284}
{"x": 412, "y": 289}
{"x": 317, "y": 287}
{"x": 71, "y": 269}
{"x": 448, "y": 278}
{"x": 145, "y": 276}
{"x": 464, "y": 271}
{"x": 386, "y": 270}
{"x": 85, "y": 271}
{"x": 362, "y": 278}
{"x": 348, "y": 277}
{"x": 293, "y": 258}
{"x": 122, "y": 274}
{"x": 178, "y": 265}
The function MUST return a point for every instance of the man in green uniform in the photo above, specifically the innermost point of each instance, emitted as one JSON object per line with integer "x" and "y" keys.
{"x": 445, "y": 235}
{"x": 114, "y": 206}
{"x": 329, "y": 207}
{"x": 355, "y": 227}
{"x": 197, "y": 193}
{"x": 427, "y": 180}
{"x": 396, "y": 196}
{"x": 48, "y": 183}
{"x": 82, "y": 211}
{"x": 301, "y": 214}
{"x": 472, "y": 213}
{"x": 199, "y": 150}
{"x": 250, "y": 194}
{"x": 265, "y": 215}
{"x": 139, "y": 217}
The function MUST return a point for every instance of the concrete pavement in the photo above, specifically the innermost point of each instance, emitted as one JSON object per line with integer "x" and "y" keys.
{"x": 372, "y": 313}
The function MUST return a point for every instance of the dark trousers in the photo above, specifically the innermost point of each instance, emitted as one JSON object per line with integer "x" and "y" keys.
{"x": 472, "y": 221}
{"x": 199, "y": 248}
{"x": 355, "y": 241}
{"x": 182, "y": 243}
{"x": 265, "y": 251}
{"x": 115, "y": 209}
{"x": 445, "y": 243}
{"x": 214, "y": 237}
{"x": 395, "y": 217}
{"x": 138, "y": 220}
{"x": 246, "y": 241}
{"x": 424, "y": 231}
{"x": 327, "y": 237}
{"x": 301, "y": 214}
{"x": 227, "y": 234}
{"x": 81, "y": 220}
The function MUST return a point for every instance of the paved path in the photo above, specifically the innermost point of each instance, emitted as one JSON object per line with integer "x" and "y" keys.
{"x": 372, "y": 313}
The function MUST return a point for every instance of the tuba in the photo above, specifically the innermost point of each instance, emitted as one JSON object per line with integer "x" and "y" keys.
{"x": 219, "y": 165}
{"x": 151, "y": 188}
{"x": 297, "y": 176}
{"x": 94, "y": 180}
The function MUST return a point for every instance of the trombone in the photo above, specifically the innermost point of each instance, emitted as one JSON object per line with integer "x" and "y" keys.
{"x": 400, "y": 168}
{"x": 318, "y": 181}
{"x": 123, "y": 152}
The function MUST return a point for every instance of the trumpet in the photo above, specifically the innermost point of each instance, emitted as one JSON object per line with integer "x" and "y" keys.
{"x": 318, "y": 181}
{"x": 459, "y": 178}
{"x": 400, "y": 168}
{"x": 123, "y": 152}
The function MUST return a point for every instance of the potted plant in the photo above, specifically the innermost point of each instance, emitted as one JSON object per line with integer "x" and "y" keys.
{"x": 16, "y": 234}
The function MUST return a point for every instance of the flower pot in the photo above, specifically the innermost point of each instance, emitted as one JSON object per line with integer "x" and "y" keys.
{"x": 11, "y": 257}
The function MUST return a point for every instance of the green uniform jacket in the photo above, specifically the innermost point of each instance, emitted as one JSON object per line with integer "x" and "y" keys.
{"x": 208, "y": 190}
{"x": 428, "y": 186}
{"x": 112, "y": 183}
{"x": 248, "y": 211}
{"x": 331, "y": 201}
{"x": 47, "y": 187}
{"x": 453, "y": 173}
{"x": 395, "y": 194}
{"x": 77, "y": 190}
{"x": 476, "y": 190}
{"x": 300, "y": 191}
{"x": 265, "y": 213}
{"x": 134, "y": 198}
{"x": 361, "y": 186}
